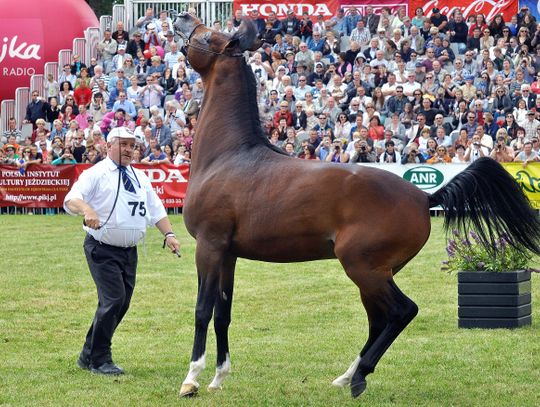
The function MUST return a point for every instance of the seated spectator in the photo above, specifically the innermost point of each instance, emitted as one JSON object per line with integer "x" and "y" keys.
{"x": 440, "y": 156}
{"x": 115, "y": 119}
{"x": 82, "y": 117}
{"x": 527, "y": 155}
{"x": 337, "y": 154}
{"x": 78, "y": 147}
{"x": 476, "y": 150}
{"x": 362, "y": 152}
{"x": 501, "y": 152}
{"x": 390, "y": 154}
{"x": 161, "y": 132}
{"x": 10, "y": 155}
{"x": 412, "y": 155}
{"x": 66, "y": 157}
{"x": 127, "y": 105}
{"x": 156, "y": 157}
{"x": 67, "y": 117}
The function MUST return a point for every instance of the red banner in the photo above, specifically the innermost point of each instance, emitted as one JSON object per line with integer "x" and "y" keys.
{"x": 487, "y": 7}
{"x": 45, "y": 186}
{"x": 327, "y": 8}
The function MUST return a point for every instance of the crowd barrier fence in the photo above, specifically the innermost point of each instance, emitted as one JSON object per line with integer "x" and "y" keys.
{"x": 43, "y": 187}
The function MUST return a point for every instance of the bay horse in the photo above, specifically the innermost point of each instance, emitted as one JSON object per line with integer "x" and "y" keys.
{"x": 248, "y": 199}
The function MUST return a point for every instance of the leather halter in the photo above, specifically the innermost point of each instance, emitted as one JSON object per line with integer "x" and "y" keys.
{"x": 188, "y": 44}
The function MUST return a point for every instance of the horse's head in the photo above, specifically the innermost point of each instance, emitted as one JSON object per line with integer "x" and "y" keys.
{"x": 205, "y": 46}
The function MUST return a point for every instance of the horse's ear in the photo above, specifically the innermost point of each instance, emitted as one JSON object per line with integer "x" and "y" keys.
{"x": 246, "y": 37}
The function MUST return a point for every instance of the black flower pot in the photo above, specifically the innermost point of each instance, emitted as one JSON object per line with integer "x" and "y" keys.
{"x": 494, "y": 300}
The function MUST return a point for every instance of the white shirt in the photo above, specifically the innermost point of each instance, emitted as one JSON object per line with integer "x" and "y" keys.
{"x": 134, "y": 212}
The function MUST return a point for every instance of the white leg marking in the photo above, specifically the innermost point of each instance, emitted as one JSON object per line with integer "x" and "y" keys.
{"x": 195, "y": 368}
{"x": 345, "y": 379}
{"x": 221, "y": 373}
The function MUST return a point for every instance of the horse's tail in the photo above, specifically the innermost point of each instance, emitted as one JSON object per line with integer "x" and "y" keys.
{"x": 488, "y": 200}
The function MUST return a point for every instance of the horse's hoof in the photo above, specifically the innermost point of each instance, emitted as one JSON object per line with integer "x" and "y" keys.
{"x": 358, "y": 388}
{"x": 342, "y": 381}
{"x": 188, "y": 390}
{"x": 213, "y": 389}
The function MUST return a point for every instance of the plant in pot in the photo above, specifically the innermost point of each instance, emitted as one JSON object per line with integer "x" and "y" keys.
{"x": 494, "y": 286}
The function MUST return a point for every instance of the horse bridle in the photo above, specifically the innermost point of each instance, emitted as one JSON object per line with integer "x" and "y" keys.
{"x": 187, "y": 44}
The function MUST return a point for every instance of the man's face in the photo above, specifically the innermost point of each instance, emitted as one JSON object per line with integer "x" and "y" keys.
{"x": 122, "y": 148}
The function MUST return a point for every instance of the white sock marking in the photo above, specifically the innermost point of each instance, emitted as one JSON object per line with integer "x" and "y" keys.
{"x": 345, "y": 378}
{"x": 221, "y": 373}
{"x": 195, "y": 368}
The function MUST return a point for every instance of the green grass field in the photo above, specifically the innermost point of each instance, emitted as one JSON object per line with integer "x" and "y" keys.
{"x": 295, "y": 328}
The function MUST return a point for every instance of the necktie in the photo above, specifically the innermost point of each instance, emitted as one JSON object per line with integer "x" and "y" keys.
{"x": 128, "y": 185}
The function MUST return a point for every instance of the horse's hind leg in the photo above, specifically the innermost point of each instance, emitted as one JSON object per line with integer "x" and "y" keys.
{"x": 208, "y": 266}
{"x": 389, "y": 312}
{"x": 222, "y": 320}
{"x": 377, "y": 323}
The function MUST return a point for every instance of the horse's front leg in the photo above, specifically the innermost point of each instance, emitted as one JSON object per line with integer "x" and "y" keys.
{"x": 222, "y": 320}
{"x": 209, "y": 263}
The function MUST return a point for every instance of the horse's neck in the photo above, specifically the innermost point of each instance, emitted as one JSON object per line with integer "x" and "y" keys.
{"x": 229, "y": 114}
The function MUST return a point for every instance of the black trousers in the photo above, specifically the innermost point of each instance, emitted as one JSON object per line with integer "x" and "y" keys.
{"x": 113, "y": 270}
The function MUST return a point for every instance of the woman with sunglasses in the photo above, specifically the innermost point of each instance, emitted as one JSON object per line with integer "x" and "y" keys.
{"x": 66, "y": 90}
{"x": 523, "y": 37}
{"x": 502, "y": 104}
{"x": 486, "y": 40}
{"x": 440, "y": 156}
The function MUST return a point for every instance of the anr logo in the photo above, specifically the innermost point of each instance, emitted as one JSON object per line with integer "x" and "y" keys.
{"x": 424, "y": 177}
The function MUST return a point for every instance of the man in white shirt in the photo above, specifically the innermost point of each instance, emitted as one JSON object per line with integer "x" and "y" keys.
{"x": 118, "y": 204}
{"x": 476, "y": 150}
{"x": 411, "y": 85}
{"x": 171, "y": 57}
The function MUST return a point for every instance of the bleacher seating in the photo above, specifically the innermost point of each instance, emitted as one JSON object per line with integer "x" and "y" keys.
{"x": 86, "y": 47}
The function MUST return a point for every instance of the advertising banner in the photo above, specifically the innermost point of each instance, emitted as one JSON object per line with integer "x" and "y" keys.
{"x": 33, "y": 32}
{"x": 487, "y": 7}
{"x": 45, "y": 186}
{"x": 528, "y": 179}
{"x": 430, "y": 178}
{"x": 327, "y": 8}
{"x": 533, "y": 5}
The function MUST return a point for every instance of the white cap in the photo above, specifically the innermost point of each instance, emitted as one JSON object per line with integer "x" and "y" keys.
{"x": 120, "y": 132}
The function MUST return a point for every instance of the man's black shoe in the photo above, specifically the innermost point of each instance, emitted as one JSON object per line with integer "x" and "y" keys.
{"x": 83, "y": 363}
{"x": 108, "y": 368}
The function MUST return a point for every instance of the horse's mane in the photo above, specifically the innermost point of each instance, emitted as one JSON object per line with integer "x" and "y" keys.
{"x": 249, "y": 105}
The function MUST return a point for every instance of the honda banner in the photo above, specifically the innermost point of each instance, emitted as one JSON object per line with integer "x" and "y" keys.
{"x": 487, "y": 7}
{"x": 45, "y": 186}
{"x": 314, "y": 7}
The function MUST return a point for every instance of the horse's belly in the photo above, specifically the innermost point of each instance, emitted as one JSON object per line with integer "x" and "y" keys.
{"x": 284, "y": 250}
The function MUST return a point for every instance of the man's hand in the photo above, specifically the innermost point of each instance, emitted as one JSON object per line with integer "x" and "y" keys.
{"x": 173, "y": 244}
{"x": 91, "y": 219}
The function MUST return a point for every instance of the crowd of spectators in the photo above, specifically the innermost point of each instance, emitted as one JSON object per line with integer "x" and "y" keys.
{"x": 379, "y": 87}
